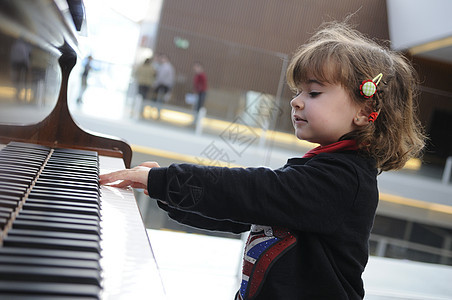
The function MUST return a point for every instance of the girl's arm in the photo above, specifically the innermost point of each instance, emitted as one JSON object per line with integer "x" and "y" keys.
{"x": 312, "y": 197}
{"x": 199, "y": 221}
{"x": 137, "y": 177}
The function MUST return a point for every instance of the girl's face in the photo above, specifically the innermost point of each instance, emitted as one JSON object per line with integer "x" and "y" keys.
{"x": 323, "y": 112}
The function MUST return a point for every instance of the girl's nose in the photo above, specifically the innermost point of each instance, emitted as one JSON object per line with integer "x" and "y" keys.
{"x": 297, "y": 103}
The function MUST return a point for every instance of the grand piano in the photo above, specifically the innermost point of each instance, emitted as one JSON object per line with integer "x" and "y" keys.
{"x": 61, "y": 234}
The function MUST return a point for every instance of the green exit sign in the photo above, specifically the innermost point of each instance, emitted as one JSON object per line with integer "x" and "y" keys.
{"x": 181, "y": 42}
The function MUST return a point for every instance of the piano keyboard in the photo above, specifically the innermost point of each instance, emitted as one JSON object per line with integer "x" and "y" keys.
{"x": 53, "y": 229}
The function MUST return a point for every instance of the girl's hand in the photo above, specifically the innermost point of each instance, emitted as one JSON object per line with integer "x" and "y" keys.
{"x": 136, "y": 177}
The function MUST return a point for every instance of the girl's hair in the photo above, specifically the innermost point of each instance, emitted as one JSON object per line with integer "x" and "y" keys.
{"x": 338, "y": 54}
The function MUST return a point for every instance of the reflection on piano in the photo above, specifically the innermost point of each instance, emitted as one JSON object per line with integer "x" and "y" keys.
{"x": 61, "y": 234}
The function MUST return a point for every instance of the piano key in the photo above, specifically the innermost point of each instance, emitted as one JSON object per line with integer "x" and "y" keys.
{"x": 11, "y": 192}
{"x": 67, "y": 216}
{"x": 70, "y": 204}
{"x": 9, "y": 203}
{"x": 65, "y": 191}
{"x": 49, "y": 195}
{"x": 11, "y": 164}
{"x": 51, "y": 226}
{"x": 24, "y": 290}
{"x": 49, "y": 262}
{"x": 49, "y": 253}
{"x": 19, "y": 155}
{"x": 13, "y": 185}
{"x": 57, "y": 219}
{"x": 26, "y": 150}
{"x": 21, "y": 163}
{"x": 74, "y": 155}
{"x": 69, "y": 177}
{"x": 49, "y": 274}
{"x": 53, "y": 234}
{"x": 69, "y": 184}
{"x": 77, "y": 169}
{"x": 77, "y": 157}
{"x": 3, "y": 222}
{"x": 17, "y": 179}
{"x": 63, "y": 171}
{"x": 4, "y": 170}
{"x": 72, "y": 161}
{"x": 27, "y": 146}
{"x": 8, "y": 210}
{"x": 49, "y": 243}
{"x": 84, "y": 153}
{"x": 10, "y": 198}
{"x": 63, "y": 162}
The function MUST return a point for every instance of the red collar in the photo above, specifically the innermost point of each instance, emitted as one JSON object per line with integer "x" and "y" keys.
{"x": 334, "y": 147}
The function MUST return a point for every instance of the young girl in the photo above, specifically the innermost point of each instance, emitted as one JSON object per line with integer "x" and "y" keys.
{"x": 310, "y": 220}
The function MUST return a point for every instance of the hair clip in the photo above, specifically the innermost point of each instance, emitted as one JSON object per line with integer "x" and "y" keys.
{"x": 373, "y": 116}
{"x": 368, "y": 88}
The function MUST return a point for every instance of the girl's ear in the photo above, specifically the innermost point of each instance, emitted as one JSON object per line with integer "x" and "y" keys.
{"x": 362, "y": 116}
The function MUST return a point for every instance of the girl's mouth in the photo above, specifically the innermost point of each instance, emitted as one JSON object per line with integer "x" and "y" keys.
{"x": 298, "y": 119}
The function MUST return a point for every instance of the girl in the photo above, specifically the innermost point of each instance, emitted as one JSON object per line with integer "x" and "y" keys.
{"x": 310, "y": 220}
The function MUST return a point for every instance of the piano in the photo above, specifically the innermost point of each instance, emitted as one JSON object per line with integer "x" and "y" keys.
{"x": 62, "y": 236}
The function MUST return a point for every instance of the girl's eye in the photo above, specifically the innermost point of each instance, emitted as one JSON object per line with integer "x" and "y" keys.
{"x": 314, "y": 94}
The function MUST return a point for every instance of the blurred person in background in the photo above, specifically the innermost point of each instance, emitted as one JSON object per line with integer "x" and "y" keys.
{"x": 199, "y": 87}
{"x": 164, "y": 80}
{"x": 87, "y": 66}
{"x": 145, "y": 77}
{"x": 20, "y": 67}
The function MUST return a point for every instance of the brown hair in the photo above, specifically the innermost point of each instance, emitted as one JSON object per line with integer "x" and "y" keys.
{"x": 338, "y": 54}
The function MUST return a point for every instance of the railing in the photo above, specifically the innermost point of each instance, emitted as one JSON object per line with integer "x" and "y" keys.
{"x": 402, "y": 250}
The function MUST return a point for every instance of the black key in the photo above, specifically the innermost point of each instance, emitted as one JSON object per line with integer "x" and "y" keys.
{"x": 90, "y": 197}
{"x": 4, "y": 170}
{"x": 54, "y": 235}
{"x": 9, "y": 203}
{"x": 49, "y": 243}
{"x": 49, "y": 262}
{"x": 49, "y": 253}
{"x": 70, "y": 177}
{"x": 51, "y": 214}
{"x": 61, "y": 208}
{"x": 51, "y": 226}
{"x": 55, "y": 219}
{"x": 23, "y": 290}
{"x": 62, "y": 203}
{"x": 13, "y": 155}
{"x": 27, "y": 146}
{"x": 11, "y": 192}
{"x": 20, "y": 163}
{"x": 14, "y": 185}
{"x": 68, "y": 184}
{"x": 17, "y": 179}
{"x": 8, "y": 210}
{"x": 48, "y": 274}
{"x": 3, "y": 222}
{"x": 10, "y": 198}
{"x": 64, "y": 191}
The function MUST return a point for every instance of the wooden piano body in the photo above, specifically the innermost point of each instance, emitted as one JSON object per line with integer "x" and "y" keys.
{"x": 127, "y": 266}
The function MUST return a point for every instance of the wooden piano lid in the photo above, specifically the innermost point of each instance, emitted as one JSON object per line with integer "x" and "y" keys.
{"x": 59, "y": 129}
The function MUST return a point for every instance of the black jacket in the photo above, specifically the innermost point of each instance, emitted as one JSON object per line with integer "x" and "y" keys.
{"x": 327, "y": 203}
